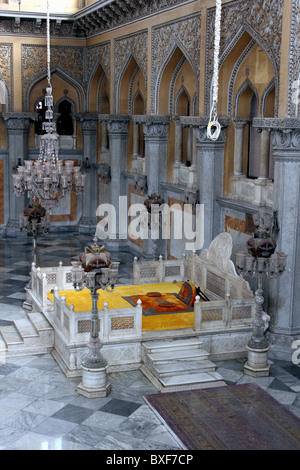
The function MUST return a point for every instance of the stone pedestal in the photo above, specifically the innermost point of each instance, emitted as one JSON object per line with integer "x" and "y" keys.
{"x": 94, "y": 383}
{"x": 257, "y": 364}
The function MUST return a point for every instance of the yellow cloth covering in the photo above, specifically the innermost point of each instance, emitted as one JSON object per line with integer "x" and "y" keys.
{"x": 171, "y": 321}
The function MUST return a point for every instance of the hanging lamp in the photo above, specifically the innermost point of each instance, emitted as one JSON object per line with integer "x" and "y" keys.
{"x": 48, "y": 179}
{"x": 214, "y": 127}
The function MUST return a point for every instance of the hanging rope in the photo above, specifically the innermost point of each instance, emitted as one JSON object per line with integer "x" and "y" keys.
{"x": 214, "y": 127}
{"x": 48, "y": 45}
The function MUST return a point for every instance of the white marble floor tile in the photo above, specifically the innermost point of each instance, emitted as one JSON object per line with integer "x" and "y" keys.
{"x": 36, "y": 441}
{"x": 105, "y": 421}
{"x": 44, "y": 407}
{"x": 54, "y": 427}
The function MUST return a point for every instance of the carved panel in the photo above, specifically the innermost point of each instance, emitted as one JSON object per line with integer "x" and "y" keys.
{"x": 99, "y": 54}
{"x": 68, "y": 59}
{"x": 185, "y": 34}
{"x": 6, "y": 75}
{"x": 261, "y": 19}
{"x": 134, "y": 45}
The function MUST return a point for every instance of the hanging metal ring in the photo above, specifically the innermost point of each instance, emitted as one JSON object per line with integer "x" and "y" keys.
{"x": 213, "y": 135}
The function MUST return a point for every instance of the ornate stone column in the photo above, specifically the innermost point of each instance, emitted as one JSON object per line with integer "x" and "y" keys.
{"x": 17, "y": 126}
{"x": 264, "y": 154}
{"x": 105, "y": 158}
{"x": 284, "y": 297}
{"x": 210, "y": 157}
{"x": 117, "y": 126}
{"x": 178, "y": 150}
{"x": 88, "y": 220}
{"x": 156, "y": 138}
{"x": 239, "y": 126}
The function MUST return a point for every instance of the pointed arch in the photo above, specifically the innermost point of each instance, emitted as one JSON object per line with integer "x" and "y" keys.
{"x": 78, "y": 88}
{"x": 124, "y": 84}
{"x": 247, "y": 84}
{"x": 180, "y": 93}
{"x": 179, "y": 55}
{"x": 246, "y": 37}
{"x": 97, "y": 81}
{"x": 138, "y": 96}
{"x": 265, "y": 96}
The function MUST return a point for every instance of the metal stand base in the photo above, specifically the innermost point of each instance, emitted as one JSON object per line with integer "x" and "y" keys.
{"x": 257, "y": 364}
{"x": 94, "y": 383}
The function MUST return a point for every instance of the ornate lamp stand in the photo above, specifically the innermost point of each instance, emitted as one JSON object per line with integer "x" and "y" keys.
{"x": 34, "y": 220}
{"x": 260, "y": 262}
{"x": 98, "y": 273}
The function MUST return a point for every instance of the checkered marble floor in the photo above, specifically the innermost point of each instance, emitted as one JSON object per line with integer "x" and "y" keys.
{"x": 40, "y": 408}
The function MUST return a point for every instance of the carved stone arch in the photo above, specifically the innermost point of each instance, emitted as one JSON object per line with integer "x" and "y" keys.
{"x": 65, "y": 98}
{"x": 180, "y": 92}
{"x": 245, "y": 28}
{"x": 265, "y": 95}
{"x": 172, "y": 101}
{"x": 130, "y": 101}
{"x": 76, "y": 85}
{"x": 137, "y": 94}
{"x": 195, "y": 105}
{"x": 98, "y": 65}
{"x": 118, "y": 82}
{"x": 101, "y": 101}
{"x": 247, "y": 83}
{"x": 168, "y": 57}
{"x": 234, "y": 73}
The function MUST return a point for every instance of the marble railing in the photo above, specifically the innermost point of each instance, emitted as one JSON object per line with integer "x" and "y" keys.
{"x": 45, "y": 279}
{"x": 231, "y": 299}
{"x": 113, "y": 324}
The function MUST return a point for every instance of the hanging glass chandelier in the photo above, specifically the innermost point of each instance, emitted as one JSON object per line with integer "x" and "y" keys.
{"x": 48, "y": 179}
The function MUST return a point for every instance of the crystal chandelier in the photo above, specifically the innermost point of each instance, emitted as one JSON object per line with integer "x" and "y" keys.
{"x": 48, "y": 179}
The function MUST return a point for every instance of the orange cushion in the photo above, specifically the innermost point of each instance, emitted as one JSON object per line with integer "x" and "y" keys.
{"x": 187, "y": 293}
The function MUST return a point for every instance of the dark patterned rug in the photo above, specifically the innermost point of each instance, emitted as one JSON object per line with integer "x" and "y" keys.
{"x": 236, "y": 417}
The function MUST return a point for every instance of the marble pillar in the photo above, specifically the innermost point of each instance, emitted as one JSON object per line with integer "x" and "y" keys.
{"x": 155, "y": 130}
{"x": 210, "y": 158}
{"x": 284, "y": 297}
{"x": 104, "y": 151}
{"x": 264, "y": 154}
{"x": 17, "y": 127}
{"x": 88, "y": 221}
{"x": 156, "y": 139}
{"x": 178, "y": 151}
{"x": 117, "y": 126}
{"x": 239, "y": 127}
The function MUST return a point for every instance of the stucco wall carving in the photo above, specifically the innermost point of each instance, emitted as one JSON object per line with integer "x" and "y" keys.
{"x": 6, "y": 75}
{"x": 99, "y": 54}
{"x": 67, "y": 59}
{"x": 184, "y": 34}
{"x": 260, "y": 18}
{"x": 133, "y": 45}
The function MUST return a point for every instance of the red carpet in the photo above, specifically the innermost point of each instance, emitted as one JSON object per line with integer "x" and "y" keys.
{"x": 237, "y": 417}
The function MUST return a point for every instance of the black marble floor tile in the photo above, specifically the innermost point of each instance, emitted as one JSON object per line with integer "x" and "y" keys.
{"x": 120, "y": 407}
{"x": 75, "y": 414}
